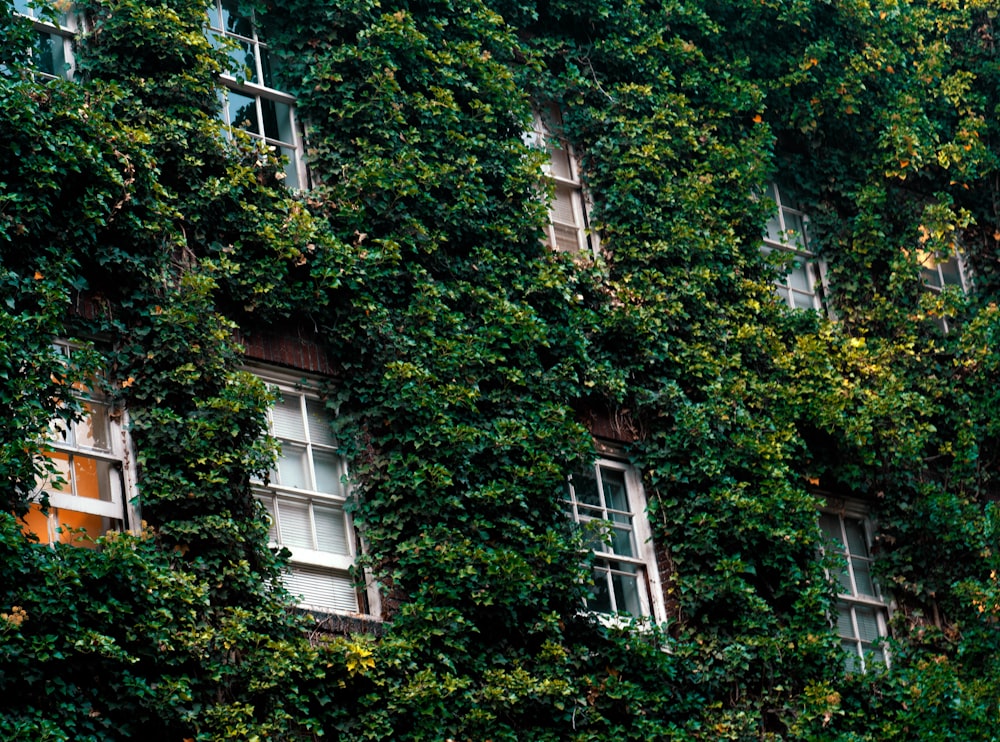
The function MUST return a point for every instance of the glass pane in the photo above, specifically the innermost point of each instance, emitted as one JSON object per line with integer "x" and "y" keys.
{"x": 795, "y": 229}
{"x": 853, "y": 662}
{"x": 293, "y": 467}
{"x": 286, "y": 417}
{"x": 802, "y": 300}
{"x": 319, "y": 423}
{"x": 627, "y": 593}
{"x": 845, "y": 624}
{"x": 567, "y": 238}
{"x": 291, "y": 167}
{"x": 243, "y": 112}
{"x": 601, "y": 600}
{"x": 277, "y": 120}
{"x": 272, "y": 530}
{"x": 830, "y": 525}
{"x": 621, "y": 542}
{"x": 94, "y": 430}
{"x": 328, "y": 472}
{"x": 615, "y": 494}
{"x": 585, "y": 486}
{"x": 564, "y": 207}
{"x": 774, "y": 229}
{"x": 233, "y": 21}
{"x": 94, "y": 525}
{"x": 867, "y": 624}
{"x": 950, "y": 272}
{"x": 244, "y": 64}
{"x": 296, "y": 527}
{"x": 798, "y": 276}
{"x": 322, "y": 588}
{"x": 560, "y": 158}
{"x": 37, "y": 523}
{"x": 857, "y": 542}
{"x": 863, "y": 578}
{"x": 331, "y": 533}
{"x": 92, "y": 478}
{"x": 50, "y": 54}
{"x": 60, "y": 480}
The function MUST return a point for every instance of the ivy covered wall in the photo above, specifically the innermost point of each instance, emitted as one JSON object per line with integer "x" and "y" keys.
{"x": 467, "y": 356}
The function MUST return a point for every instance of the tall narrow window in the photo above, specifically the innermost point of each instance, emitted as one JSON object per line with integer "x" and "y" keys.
{"x": 89, "y": 481}
{"x": 568, "y": 228}
{"x": 52, "y": 47}
{"x": 609, "y": 498}
{"x": 862, "y": 614}
{"x": 305, "y": 498}
{"x": 800, "y": 285}
{"x": 250, "y": 102}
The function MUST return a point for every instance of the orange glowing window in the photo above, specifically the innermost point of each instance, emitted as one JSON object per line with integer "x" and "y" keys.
{"x": 87, "y": 475}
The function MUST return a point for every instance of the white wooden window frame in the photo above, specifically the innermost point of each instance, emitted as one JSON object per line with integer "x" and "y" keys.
{"x": 312, "y": 563}
{"x": 804, "y": 284}
{"x": 570, "y": 198}
{"x": 861, "y": 653}
{"x": 259, "y": 99}
{"x": 115, "y": 458}
{"x": 54, "y": 40}
{"x": 643, "y": 559}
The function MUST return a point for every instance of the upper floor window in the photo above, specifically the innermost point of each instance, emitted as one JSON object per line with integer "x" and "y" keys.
{"x": 305, "y": 496}
{"x": 801, "y": 283}
{"x": 89, "y": 482}
{"x": 862, "y": 614}
{"x": 55, "y": 24}
{"x": 568, "y": 229}
{"x": 250, "y": 101}
{"x": 936, "y": 271}
{"x": 609, "y": 498}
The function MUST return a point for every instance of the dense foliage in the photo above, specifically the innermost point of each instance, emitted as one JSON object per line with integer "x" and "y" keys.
{"x": 466, "y": 354}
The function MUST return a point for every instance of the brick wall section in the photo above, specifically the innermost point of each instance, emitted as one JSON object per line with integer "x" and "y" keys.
{"x": 293, "y": 349}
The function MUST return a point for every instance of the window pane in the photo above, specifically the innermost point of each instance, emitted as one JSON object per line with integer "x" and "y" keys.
{"x": 621, "y": 542}
{"x": 286, "y": 417}
{"x": 272, "y": 529}
{"x": 94, "y": 430}
{"x": 293, "y": 467}
{"x": 601, "y": 600}
{"x": 243, "y": 112}
{"x": 845, "y": 624}
{"x": 296, "y": 526}
{"x": 331, "y": 533}
{"x": 233, "y": 21}
{"x": 950, "y": 272}
{"x": 92, "y": 478}
{"x": 328, "y": 472}
{"x": 627, "y": 592}
{"x": 585, "y": 487}
{"x": 615, "y": 494}
{"x": 798, "y": 276}
{"x": 559, "y": 155}
{"x": 319, "y": 424}
{"x": 277, "y": 120}
{"x": 867, "y": 624}
{"x": 322, "y": 588}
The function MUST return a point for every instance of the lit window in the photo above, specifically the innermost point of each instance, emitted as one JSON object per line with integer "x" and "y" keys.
{"x": 568, "y": 228}
{"x": 609, "y": 497}
{"x": 801, "y": 285}
{"x": 305, "y": 498}
{"x": 250, "y": 101}
{"x": 89, "y": 478}
{"x": 862, "y": 614}
{"x": 52, "y": 47}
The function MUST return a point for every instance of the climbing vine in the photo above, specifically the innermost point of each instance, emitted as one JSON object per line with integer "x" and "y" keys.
{"x": 468, "y": 356}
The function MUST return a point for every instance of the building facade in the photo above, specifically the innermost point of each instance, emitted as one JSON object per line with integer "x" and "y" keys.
{"x": 498, "y": 371}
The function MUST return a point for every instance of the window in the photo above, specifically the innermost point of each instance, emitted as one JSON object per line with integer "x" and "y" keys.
{"x": 801, "y": 285}
{"x": 568, "y": 228}
{"x": 52, "y": 50}
{"x": 862, "y": 614}
{"x": 609, "y": 497}
{"x": 250, "y": 101}
{"x": 937, "y": 271}
{"x": 305, "y": 498}
{"x": 90, "y": 477}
